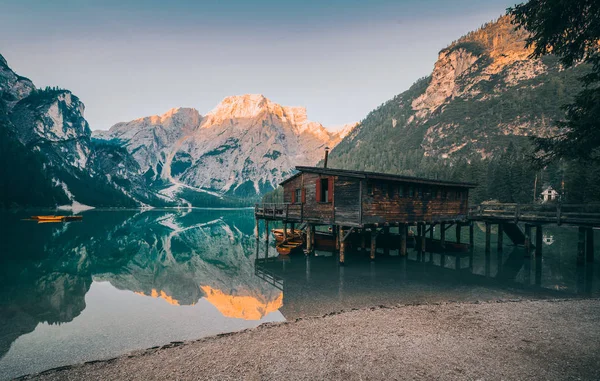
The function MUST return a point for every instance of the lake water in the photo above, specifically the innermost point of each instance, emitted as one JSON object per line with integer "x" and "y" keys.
{"x": 124, "y": 280}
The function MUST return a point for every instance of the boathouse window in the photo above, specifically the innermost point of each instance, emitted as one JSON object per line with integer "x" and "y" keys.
{"x": 420, "y": 192}
{"x": 370, "y": 189}
{"x": 401, "y": 191}
{"x": 411, "y": 192}
{"x": 444, "y": 195}
{"x": 297, "y": 196}
{"x": 325, "y": 189}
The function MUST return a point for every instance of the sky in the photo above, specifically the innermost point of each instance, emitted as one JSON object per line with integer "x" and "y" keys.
{"x": 126, "y": 59}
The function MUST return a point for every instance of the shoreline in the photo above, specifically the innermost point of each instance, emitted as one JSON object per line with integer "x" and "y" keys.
{"x": 504, "y": 339}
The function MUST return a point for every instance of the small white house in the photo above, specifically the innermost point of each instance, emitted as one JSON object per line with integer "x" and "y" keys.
{"x": 549, "y": 195}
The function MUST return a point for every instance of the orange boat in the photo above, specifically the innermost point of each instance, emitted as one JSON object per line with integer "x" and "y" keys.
{"x": 285, "y": 248}
{"x": 291, "y": 235}
{"x": 54, "y": 218}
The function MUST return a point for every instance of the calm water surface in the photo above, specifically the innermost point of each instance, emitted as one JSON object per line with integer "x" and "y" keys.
{"x": 125, "y": 280}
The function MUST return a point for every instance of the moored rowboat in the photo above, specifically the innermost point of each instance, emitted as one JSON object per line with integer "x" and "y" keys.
{"x": 278, "y": 234}
{"x": 53, "y": 218}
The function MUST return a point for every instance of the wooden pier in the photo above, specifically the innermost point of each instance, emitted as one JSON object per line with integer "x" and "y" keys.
{"x": 510, "y": 217}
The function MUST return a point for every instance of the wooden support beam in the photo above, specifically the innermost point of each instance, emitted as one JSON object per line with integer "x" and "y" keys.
{"x": 471, "y": 236}
{"x": 423, "y": 242}
{"x": 363, "y": 240}
{"x": 488, "y": 233}
{"x": 431, "y": 229}
{"x": 443, "y": 235}
{"x": 403, "y": 230}
{"x": 500, "y": 237}
{"x": 309, "y": 238}
{"x": 345, "y": 235}
{"x": 338, "y": 233}
{"x": 589, "y": 245}
{"x": 342, "y": 248}
{"x": 386, "y": 231}
{"x": 581, "y": 246}
{"x": 527, "y": 239}
{"x": 373, "y": 243}
{"x": 458, "y": 228}
{"x": 266, "y": 239}
{"x": 285, "y": 236}
{"x": 539, "y": 235}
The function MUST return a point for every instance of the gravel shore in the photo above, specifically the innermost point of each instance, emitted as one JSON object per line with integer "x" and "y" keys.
{"x": 511, "y": 340}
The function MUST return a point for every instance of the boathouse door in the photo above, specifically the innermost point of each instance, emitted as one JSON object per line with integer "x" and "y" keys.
{"x": 347, "y": 202}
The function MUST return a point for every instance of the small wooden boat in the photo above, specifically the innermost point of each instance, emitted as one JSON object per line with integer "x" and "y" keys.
{"x": 53, "y": 218}
{"x": 285, "y": 248}
{"x": 291, "y": 235}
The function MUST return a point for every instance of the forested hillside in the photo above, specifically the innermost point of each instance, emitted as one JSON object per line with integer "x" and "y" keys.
{"x": 473, "y": 120}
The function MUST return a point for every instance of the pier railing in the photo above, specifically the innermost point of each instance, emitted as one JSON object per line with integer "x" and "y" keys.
{"x": 279, "y": 211}
{"x": 576, "y": 214}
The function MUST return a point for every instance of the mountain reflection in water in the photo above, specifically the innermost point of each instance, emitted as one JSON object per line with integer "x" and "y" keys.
{"x": 126, "y": 280}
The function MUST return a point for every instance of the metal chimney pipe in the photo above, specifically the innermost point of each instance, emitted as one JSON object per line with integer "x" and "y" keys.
{"x": 326, "y": 156}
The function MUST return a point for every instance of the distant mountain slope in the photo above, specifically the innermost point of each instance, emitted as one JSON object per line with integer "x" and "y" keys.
{"x": 48, "y": 156}
{"x": 483, "y": 96}
{"x": 242, "y": 148}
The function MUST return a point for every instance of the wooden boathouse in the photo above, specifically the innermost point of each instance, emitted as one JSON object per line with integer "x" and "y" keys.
{"x": 368, "y": 203}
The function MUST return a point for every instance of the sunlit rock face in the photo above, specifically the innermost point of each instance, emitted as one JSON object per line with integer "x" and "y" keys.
{"x": 243, "y": 147}
{"x": 484, "y": 93}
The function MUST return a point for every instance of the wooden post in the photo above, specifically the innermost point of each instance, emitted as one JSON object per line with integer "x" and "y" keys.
{"x": 338, "y": 237}
{"x": 373, "y": 243}
{"x": 342, "y": 246}
{"x": 386, "y": 248}
{"x": 285, "y": 236}
{"x": 458, "y": 227}
{"x": 423, "y": 242}
{"x": 538, "y": 240}
{"x": 266, "y": 239}
{"x": 309, "y": 238}
{"x": 363, "y": 240}
{"x": 443, "y": 235}
{"x": 488, "y": 233}
{"x": 500, "y": 237}
{"x": 312, "y": 235}
{"x": 589, "y": 245}
{"x": 403, "y": 230}
{"x": 431, "y": 231}
{"x": 292, "y": 227}
{"x": 471, "y": 236}
{"x": 581, "y": 246}
{"x": 527, "y": 239}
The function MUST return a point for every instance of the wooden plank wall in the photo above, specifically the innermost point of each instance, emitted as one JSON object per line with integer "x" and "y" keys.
{"x": 318, "y": 212}
{"x": 321, "y": 212}
{"x": 347, "y": 200}
{"x": 381, "y": 207}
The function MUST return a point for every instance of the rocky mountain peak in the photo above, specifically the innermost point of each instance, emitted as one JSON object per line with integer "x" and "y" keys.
{"x": 494, "y": 49}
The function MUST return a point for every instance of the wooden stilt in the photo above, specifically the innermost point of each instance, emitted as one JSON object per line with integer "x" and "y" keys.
{"x": 342, "y": 247}
{"x": 423, "y": 242}
{"x": 256, "y": 229}
{"x": 363, "y": 240}
{"x": 443, "y": 235}
{"x": 338, "y": 237}
{"x": 403, "y": 234}
{"x": 266, "y": 239}
{"x": 285, "y": 231}
{"x": 471, "y": 236}
{"x": 373, "y": 243}
{"x": 589, "y": 245}
{"x": 309, "y": 239}
{"x": 458, "y": 227}
{"x": 527, "y": 239}
{"x": 539, "y": 235}
{"x": 292, "y": 227}
{"x": 488, "y": 233}
{"x": 431, "y": 231}
{"x": 581, "y": 246}
{"x": 500, "y": 237}
{"x": 386, "y": 248}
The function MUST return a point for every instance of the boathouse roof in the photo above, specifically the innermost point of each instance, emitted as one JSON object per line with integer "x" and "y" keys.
{"x": 377, "y": 176}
